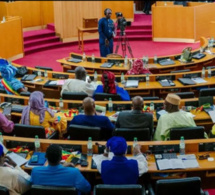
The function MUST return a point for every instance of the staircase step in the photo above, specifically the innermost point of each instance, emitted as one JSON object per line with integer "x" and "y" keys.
{"x": 30, "y": 35}
{"x": 42, "y": 47}
{"x": 51, "y": 26}
{"x": 136, "y": 26}
{"x": 137, "y": 32}
{"x": 39, "y": 41}
{"x": 134, "y": 37}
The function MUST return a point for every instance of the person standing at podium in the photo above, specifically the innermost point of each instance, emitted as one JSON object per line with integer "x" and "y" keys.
{"x": 106, "y": 33}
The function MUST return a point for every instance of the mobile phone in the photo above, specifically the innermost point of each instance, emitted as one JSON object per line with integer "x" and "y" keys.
{"x": 84, "y": 163}
{"x": 46, "y": 104}
{"x": 34, "y": 158}
{"x": 75, "y": 160}
{"x": 83, "y": 157}
{"x": 7, "y": 110}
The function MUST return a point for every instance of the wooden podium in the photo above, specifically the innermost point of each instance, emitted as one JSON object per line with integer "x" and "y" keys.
{"x": 11, "y": 39}
{"x": 175, "y": 23}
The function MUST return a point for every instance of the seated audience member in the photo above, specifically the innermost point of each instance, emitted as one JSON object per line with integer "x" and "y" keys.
{"x": 135, "y": 118}
{"x": 12, "y": 176}
{"x": 118, "y": 169}
{"x": 5, "y": 124}
{"x": 90, "y": 118}
{"x": 37, "y": 114}
{"x": 78, "y": 84}
{"x": 56, "y": 174}
{"x": 8, "y": 82}
{"x": 137, "y": 68}
{"x": 109, "y": 86}
{"x": 174, "y": 118}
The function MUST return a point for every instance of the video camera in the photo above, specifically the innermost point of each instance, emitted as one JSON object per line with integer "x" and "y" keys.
{"x": 122, "y": 23}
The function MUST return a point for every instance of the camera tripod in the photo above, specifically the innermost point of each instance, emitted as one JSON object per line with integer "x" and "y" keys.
{"x": 124, "y": 43}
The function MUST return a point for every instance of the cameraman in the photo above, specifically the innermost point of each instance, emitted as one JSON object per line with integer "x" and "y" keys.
{"x": 106, "y": 33}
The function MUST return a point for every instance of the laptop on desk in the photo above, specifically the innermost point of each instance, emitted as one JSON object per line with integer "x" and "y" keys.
{"x": 132, "y": 84}
{"x": 186, "y": 81}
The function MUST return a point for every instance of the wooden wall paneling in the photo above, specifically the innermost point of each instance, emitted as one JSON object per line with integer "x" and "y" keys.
{"x": 126, "y": 7}
{"x": 212, "y": 29}
{"x": 3, "y": 11}
{"x": 204, "y": 14}
{"x": 47, "y": 11}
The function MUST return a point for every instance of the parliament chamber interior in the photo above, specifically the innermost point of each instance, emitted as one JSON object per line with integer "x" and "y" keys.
{"x": 107, "y": 97}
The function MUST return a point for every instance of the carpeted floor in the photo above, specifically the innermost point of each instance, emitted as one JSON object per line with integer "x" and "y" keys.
{"x": 140, "y": 48}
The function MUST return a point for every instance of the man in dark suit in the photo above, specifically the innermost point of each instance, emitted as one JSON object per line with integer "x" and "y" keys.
{"x": 135, "y": 118}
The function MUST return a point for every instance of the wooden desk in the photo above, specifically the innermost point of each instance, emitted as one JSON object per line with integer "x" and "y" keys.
{"x": 81, "y": 31}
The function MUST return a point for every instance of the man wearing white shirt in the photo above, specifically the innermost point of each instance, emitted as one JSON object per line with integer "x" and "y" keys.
{"x": 12, "y": 176}
{"x": 78, "y": 84}
{"x": 117, "y": 169}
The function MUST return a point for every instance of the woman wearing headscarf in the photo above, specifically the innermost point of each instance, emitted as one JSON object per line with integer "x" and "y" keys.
{"x": 137, "y": 68}
{"x": 115, "y": 168}
{"x": 37, "y": 114}
{"x": 8, "y": 82}
{"x": 109, "y": 86}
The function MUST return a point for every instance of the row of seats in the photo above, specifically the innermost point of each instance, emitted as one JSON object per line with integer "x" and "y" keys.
{"x": 185, "y": 186}
{"x": 79, "y": 132}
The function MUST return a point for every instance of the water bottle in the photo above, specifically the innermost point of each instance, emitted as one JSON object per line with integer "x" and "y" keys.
{"x": 144, "y": 59}
{"x": 155, "y": 59}
{"x": 95, "y": 76}
{"x": 89, "y": 147}
{"x": 1, "y": 138}
{"x": 147, "y": 79}
{"x": 39, "y": 73}
{"x": 46, "y": 75}
{"x": 110, "y": 105}
{"x": 84, "y": 57}
{"x": 135, "y": 142}
{"x": 209, "y": 72}
{"x": 203, "y": 72}
{"x": 61, "y": 103}
{"x": 93, "y": 58}
{"x": 122, "y": 78}
{"x": 37, "y": 144}
{"x": 125, "y": 61}
{"x": 152, "y": 107}
{"x": 182, "y": 146}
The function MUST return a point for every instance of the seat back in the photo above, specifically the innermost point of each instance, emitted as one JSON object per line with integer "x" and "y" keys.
{"x": 207, "y": 92}
{"x": 185, "y": 95}
{"x": 129, "y": 134}
{"x": 80, "y": 132}
{"x": 74, "y": 95}
{"x": 25, "y": 93}
{"x": 106, "y": 96}
{"x": 187, "y": 132}
{"x": 185, "y": 186}
{"x": 4, "y": 191}
{"x": 30, "y": 131}
{"x": 51, "y": 190}
{"x": 103, "y": 189}
{"x": 44, "y": 68}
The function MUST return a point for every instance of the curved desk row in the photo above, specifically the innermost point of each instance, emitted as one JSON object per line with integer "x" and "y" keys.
{"x": 154, "y": 68}
{"x": 201, "y": 118}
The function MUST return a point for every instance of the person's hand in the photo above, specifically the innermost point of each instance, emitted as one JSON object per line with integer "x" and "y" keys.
{"x": 68, "y": 164}
{"x": 8, "y": 116}
{"x": 137, "y": 150}
{"x": 9, "y": 161}
{"x": 106, "y": 42}
{"x": 106, "y": 151}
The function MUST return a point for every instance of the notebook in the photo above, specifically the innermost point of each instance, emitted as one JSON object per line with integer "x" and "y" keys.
{"x": 28, "y": 77}
{"x": 165, "y": 62}
{"x": 186, "y": 81}
{"x": 199, "y": 56}
{"x": 41, "y": 159}
{"x": 74, "y": 60}
{"x": 107, "y": 65}
{"x": 132, "y": 83}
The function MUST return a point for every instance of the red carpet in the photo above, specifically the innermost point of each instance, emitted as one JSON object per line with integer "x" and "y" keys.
{"x": 43, "y": 48}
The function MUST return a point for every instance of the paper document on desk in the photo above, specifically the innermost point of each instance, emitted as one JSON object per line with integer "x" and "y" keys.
{"x": 212, "y": 115}
{"x": 60, "y": 82}
{"x": 165, "y": 164}
{"x": 132, "y": 83}
{"x": 114, "y": 116}
{"x": 17, "y": 158}
{"x": 193, "y": 163}
{"x": 53, "y": 83}
{"x": 199, "y": 80}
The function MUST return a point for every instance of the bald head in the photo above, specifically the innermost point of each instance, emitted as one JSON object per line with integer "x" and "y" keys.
{"x": 80, "y": 73}
{"x": 89, "y": 106}
{"x": 137, "y": 103}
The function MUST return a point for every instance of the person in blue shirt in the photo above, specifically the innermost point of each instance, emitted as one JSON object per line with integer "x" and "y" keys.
{"x": 115, "y": 168}
{"x": 106, "y": 33}
{"x": 56, "y": 174}
{"x": 90, "y": 118}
